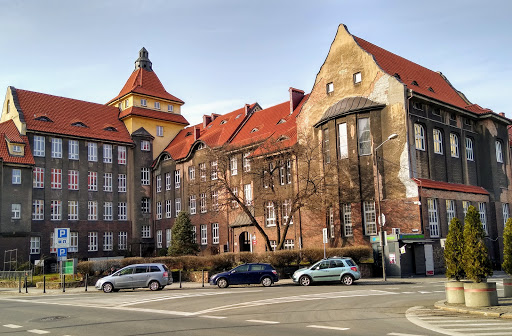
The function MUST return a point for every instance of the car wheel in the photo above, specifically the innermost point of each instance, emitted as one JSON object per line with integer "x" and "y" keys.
{"x": 266, "y": 282}
{"x": 222, "y": 283}
{"x": 107, "y": 287}
{"x": 305, "y": 280}
{"x": 347, "y": 279}
{"x": 154, "y": 285}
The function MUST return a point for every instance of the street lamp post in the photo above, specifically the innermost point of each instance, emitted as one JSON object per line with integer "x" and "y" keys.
{"x": 377, "y": 197}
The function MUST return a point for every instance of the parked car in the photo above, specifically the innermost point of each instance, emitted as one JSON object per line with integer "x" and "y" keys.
{"x": 341, "y": 269}
{"x": 153, "y": 276}
{"x": 255, "y": 273}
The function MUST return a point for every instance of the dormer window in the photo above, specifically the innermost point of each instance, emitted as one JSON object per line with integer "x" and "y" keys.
{"x": 357, "y": 78}
{"x": 414, "y": 83}
{"x": 170, "y": 108}
{"x": 143, "y": 102}
{"x": 223, "y": 122}
{"x": 79, "y": 124}
{"x": 283, "y": 138}
{"x": 281, "y": 121}
{"x": 255, "y": 129}
{"x": 126, "y": 103}
{"x": 44, "y": 118}
{"x": 201, "y": 146}
{"x": 16, "y": 149}
{"x": 431, "y": 89}
{"x": 238, "y": 116}
{"x": 188, "y": 134}
{"x": 330, "y": 87}
{"x": 157, "y": 105}
{"x": 397, "y": 76}
{"x": 110, "y": 129}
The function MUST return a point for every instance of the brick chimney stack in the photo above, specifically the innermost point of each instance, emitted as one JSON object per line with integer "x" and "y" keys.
{"x": 296, "y": 96}
{"x": 206, "y": 120}
{"x": 197, "y": 132}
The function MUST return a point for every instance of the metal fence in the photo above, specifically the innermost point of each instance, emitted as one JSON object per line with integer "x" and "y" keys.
{"x": 15, "y": 275}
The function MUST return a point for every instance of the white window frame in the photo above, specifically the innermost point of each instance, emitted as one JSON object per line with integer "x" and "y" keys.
{"x": 39, "y": 146}
{"x": 159, "y": 131}
{"x": 38, "y": 209}
{"x": 204, "y": 234}
{"x": 214, "y": 170}
{"x": 343, "y": 140}
{"x": 177, "y": 178}
{"x": 55, "y": 210}
{"x": 168, "y": 181}
{"x": 177, "y": 207}
{"x": 170, "y": 108}
{"x": 483, "y": 215}
{"x": 16, "y": 176}
{"x": 92, "y": 210}
{"x": 465, "y": 207}
{"x": 191, "y": 173}
{"x": 248, "y": 194}
{"x": 56, "y": 178}
{"x": 16, "y": 211}
{"x": 108, "y": 211}
{"x": 157, "y": 105}
{"x": 364, "y": 139}
{"x": 454, "y": 145}
{"x": 143, "y": 102}
{"x": 194, "y": 234}
{"x": 168, "y": 237}
{"x": 159, "y": 183}
{"x": 168, "y": 208}
{"x": 38, "y": 177}
{"x": 73, "y": 179}
{"x": 158, "y": 210}
{"x": 202, "y": 171}
{"x": 145, "y": 145}
{"x": 92, "y": 152}
{"x": 192, "y": 204}
{"x": 159, "y": 237}
{"x": 121, "y": 183}
{"x": 73, "y": 241}
{"x": 92, "y": 245}
{"x": 506, "y": 213}
{"x": 331, "y": 221}
{"x": 270, "y": 214}
{"x": 450, "y": 210}
{"x": 419, "y": 137}
{"x": 121, "y": 155}
{"x": 122, "y": 242}
{"x": 122, "y": 211}
{"x": 325, "y": 145}
{"x": 145, "y": 205}
{"x": 145, "y": 176}
{"x": 433, "y": 217}
{"x": 108, "y": 241}
{"x": 234, "y": 203}
{"x": 35, "y": 245}
{"x": 56, "y": 148}
{"x": 73, "y": 150}
{"x": 107, "y": 153}
{"x": 370, "y": 218}
{"x": 215, "y": 233}
{"x": 438, "y": 141}
{"x": 469, "y": 149}
{"x": 289, "y": 244}
{"x": 499, "y": 151}
{"x": 73, "y": 210}
{"x": 329, "y": 87}
{"x": 107, "y": 182}
{"x": 202, "y": 203}
{"x": 146, "y": 231}
{"x": 357, "y": 77}
{"x": 347, "y": 220}
{"x": 92, "y": 181}
{"x": 247, "y": 162}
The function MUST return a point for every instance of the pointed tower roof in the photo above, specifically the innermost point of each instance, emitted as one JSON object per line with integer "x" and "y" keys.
{"x": 144, "y": 80}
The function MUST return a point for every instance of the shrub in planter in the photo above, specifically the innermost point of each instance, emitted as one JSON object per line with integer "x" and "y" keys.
{"x": 507, "y": 258}
{"x": 453, "y": 252}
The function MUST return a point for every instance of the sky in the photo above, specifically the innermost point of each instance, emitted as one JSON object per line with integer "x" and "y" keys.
{"x": 217, "y": 55}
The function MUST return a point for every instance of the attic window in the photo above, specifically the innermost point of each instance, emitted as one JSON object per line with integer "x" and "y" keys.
{"x": 414, "y": 83}
{"x": 44, "y": 118}
{"x": 357, "y": 78}
{"x": 79, "y": 124}
{"x": 201, "y": 146}
{"x": 283, "y": 138}
{"x": 255, "y": 129}
{"x": 281, "y": 121}
{"x": 223, "y": 122}
{"x": 330, "y": 87}
{"x": 467, "y": 121}
{"x": 110, "y": 129}
{"x": 417, "y": 106}
{"x": 209, "y": 126}
{"x": 16, "y": 148}
{"x": 397, "y": 76}
{"x": 430, "y": 89}
{"x": 437, "y": 112}
{"x": 453, "y": 116}
{"x": 188, "y": 134}
{"x": 238, "y": 116}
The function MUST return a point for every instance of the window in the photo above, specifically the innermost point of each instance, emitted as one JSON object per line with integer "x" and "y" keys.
{"x": 16, "y": 176}
{"x": 177, "y": 179}
{"x": 38, "y": 211}
{"x": 327, "y": 152}
{"x": 247, "y": 162}
{"x": 289, "y": 244}
{"x": 92, "y": 208}
{"x": 123, "y": 240}
{"x": 234, "y": 203}
{"x": 483, "y": 217}
{"x": 38, "y": 181}
{"x": 108, "y": 241}
{"x": 121, "y": 183}
{"x": 330, "y": 87}
{"x": 145, "y": 205}
{"x": 168, "y": 208}
{"x": 202, "y": 171}
{"x": 192, "y": 204}
{"x": 73, "y": 180}
{"x": 107, "y": 182}
{"x": 170, "y": 108}
{"x": 56, "y": 178}
{"x": 159, "y": 183}
{"x": 144, "y": 176}
{"x": 56, "y": 148}
{"x": 215, "y": 200}
{"x": 38, "y": 146}
{"x": 331, "y": 221}
{"x": 121, "y": 155}
{"x": 499, "y": 153}
{"x": 347, "y": 219}
{"x": 465, "y": 207}
{"x": 191, "y": 173}
{"x": 357, "y": 78}
{"x": 454, "y": 145}
{"x": 73, "y": 149}
{"x": 343, "y": 140}
{"x": 93, "y": 242}
{"x": 157, "y": 105}
{"x": 107, "y": 153}
{"x": 234, "y": 166}
{"x": 55, "y": 210}
{"x": 15, "y": 211}
{"x": 126, "y": 103}
{"x": 160, "y": 131}
{"x": 177, "y": 207}
{"x": 122, "y": 211}
{"x": 72, "y": 210}
{"x": 287, "y": 208}
{"x": 469, "y": 149}
{"x": 143, "y": 102}
{"x": 363, "y": 134}
{"x": 215, "y": 233}
{"x": 194, "y": 234}
{"x": 73, "y": 243}
{"x": 438, "y": 141}
{"x": 288, "y": 172}
{"x": 270, "y": 214}
{"x": 167, "y": 181}
{"x": 145, "y": 146}
{"x": 168, "y": 237}
{"x": 159, "y": 237}
{"x": 506, "y": 213}
{"x": 16, "y": 149}
{"x": 35, "y": 245}
{"x": 213, "y": 166}
{"x": 92, "y": 184}
{"x": 204, "y": 235}
{"x": 273, "y": 245}
{"x": 92, "y": 151}
{"x": 108, "y": 211}
{"x": 419, "y": 136}
{"x": 247, "y": 194}
{"x": 370, "y": 225}
{"x": 433, "y": 217}
{"x": 450, "y": 210}
{"x": 146, "y": 231}
{"x": 158, "y": 210}
{"x": 202, "y": 203}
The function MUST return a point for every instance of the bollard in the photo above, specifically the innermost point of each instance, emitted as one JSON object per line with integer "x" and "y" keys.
{"x": 63, "y": 283}
{"x": 179, "y": 277}
{"x": 86, "y": 278}
{"x": 26, "y": 286}
{"x": 203, "y": 278}
{"x": 44, "y": 284}
{"x": 19, "y": 279}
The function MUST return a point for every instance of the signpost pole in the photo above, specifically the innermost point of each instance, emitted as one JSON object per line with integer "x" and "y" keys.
{"x": 324, "y": 234}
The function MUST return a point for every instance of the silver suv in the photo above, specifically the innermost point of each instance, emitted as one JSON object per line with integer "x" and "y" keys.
{"x": 342, "y": 269}
{"x": 153, "y": 276}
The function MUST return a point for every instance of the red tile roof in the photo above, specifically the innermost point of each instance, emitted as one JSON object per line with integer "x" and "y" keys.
{"x": 9, "y": 131}
{"x": 160, "y": 115}
{"x": 430, "y": 184}
{"x": 145, "y": 82}
{"x": 63, "y": 112}
{"x": 478, "y": 109}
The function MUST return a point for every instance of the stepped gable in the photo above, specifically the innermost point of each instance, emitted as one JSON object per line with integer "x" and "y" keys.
{"x": 66, "y": 116}
{"x": 152, "y": 114}
{"x": 9, "y": 132}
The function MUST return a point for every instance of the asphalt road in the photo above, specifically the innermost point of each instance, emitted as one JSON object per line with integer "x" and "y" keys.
{"x": 370, "y": 308}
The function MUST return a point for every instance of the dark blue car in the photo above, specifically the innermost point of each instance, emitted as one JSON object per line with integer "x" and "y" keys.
{"x": 246, "y": 274}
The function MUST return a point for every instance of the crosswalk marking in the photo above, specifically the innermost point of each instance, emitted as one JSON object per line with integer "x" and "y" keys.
{"x": 326, "y": 327}
{"x": 12, "y": 326}
{"x": 37, "y": 331}
{"x": 262, "y": 321}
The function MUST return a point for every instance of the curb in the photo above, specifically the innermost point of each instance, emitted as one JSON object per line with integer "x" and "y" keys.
{"x": 465, "y": 310}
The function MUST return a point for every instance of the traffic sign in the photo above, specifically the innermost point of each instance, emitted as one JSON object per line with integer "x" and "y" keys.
{"x": 62, "y": 253}
{"x": 324, "y": 232}
{"x": 61, "y": 237}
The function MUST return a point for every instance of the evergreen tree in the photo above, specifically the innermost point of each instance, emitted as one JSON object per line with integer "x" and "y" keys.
{"x": 454, "y": 250}
{"x": 507, "y": 247}
{"x": 476, "y": 258}
{"x": 182, "y": 242}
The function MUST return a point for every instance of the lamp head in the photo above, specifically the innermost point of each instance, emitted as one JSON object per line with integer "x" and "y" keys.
{"x": 393, "y": 136}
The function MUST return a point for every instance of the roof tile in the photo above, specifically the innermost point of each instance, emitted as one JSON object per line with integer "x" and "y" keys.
{"x": 9, "y": 131}
{"x": 430, "y": 184}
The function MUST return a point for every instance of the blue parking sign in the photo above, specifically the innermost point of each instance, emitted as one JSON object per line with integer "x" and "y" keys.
{"x": 62, "y": 238}
{"x": 62, "y": 253}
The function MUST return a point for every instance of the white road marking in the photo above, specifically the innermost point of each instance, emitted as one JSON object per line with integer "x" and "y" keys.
{"x": 399, "y": 334}
{"x": 326, "y": 327}
{"x": 424, "y": 292}
{"x": 12, "y": 326}
{"x": 480, "y": 329}
{"x": 473, "y": 324}
{"x": 262, "y": 321}
{"x": 213, "y": 317}
{"x": 408, "y": 292}
{"x": 441, "y": 291}
{"x": 37, "y": 331}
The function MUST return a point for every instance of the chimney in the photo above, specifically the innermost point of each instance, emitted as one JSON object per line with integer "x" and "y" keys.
{"x": 214, "y": 116}
{"x": 246, "y": 109}
{"x": 296, "y": 96}
{"x": 502, "y": 114}
{"x": 206, "y": 120}
{"x": 197, "y": 132}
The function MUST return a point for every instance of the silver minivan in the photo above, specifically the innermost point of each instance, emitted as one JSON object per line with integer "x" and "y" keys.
{"x": 153, "y": 276}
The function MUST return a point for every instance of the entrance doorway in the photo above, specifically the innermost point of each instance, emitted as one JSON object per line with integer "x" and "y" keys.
{"x": 244, "y": 242}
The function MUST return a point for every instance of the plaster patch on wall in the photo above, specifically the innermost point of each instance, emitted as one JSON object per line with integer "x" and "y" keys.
{"x": 411, "y": 188}
{"x": 491, "y": 127}
{"x": 380, "y": 90}
{"x": 342, "y": 71}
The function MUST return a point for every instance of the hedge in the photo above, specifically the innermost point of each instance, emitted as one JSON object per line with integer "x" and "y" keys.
{"x": 226, "y": 261}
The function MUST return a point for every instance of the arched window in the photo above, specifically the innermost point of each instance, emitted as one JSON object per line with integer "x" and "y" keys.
{"x": 469, "y": 149}
{"x": 419, "y": 136}
{"x": 454, "y": 145}
{"x": 499, "y": 152}
{"x": 438, "y": 141}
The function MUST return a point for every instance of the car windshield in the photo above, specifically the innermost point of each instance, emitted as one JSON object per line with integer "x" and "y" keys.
{"x": 128, "y": 270}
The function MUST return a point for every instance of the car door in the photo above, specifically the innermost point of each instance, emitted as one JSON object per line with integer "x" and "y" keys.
{"x": 140, "y": 276}
{"x": 320, "y": 271}
{"x": 255, "y": 273}
{"x": 239, "y": 275}
{"x": 124, "y": 278}
{"x": 336, "y": 268}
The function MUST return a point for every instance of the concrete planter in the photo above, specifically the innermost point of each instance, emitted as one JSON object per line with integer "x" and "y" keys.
{"x": 454, "y": 291}
{"x": 482, "y": 294}
{"x": 507, "y": 287}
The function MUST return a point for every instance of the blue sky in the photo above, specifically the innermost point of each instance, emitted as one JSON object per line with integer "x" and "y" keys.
{"x": 219, "y": 55}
